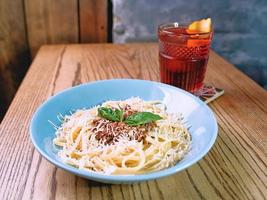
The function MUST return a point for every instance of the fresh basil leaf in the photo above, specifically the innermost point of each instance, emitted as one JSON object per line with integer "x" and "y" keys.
{"x": 141, "y": 118}
{"x": 119, "y": 114}
{"x": 110, "y": 114}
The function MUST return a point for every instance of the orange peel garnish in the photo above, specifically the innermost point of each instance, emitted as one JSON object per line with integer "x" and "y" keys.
{"x": 201, "y": 26}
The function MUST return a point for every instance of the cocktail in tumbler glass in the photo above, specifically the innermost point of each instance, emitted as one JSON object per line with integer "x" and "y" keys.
{"x": 183, "y": 55}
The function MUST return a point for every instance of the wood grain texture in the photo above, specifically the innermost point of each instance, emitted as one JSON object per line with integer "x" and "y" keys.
{"x": 235, "y": 168}
{"x": 51, "y": 22}
{"x": 93, "y": 20}
{"x": 14, "y": 58}
{"x": 25, "y": 25}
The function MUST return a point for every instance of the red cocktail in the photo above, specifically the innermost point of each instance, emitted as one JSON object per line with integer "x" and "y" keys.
{"x": 183, "y": 56}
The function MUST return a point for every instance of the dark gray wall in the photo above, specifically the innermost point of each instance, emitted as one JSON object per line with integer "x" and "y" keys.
{"x": 240, "y": 27}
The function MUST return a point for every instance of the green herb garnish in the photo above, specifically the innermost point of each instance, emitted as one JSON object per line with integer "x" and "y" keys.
{"x": 141, "y": 118}
{"x": 135, "y": 119}
{"x": 110, "y": 114}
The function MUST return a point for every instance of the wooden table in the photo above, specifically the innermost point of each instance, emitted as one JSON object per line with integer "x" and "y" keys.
{"x": 235, "y": 168}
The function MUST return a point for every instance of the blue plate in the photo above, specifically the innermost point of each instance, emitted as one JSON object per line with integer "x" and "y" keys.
{"x": 197, "y": 114}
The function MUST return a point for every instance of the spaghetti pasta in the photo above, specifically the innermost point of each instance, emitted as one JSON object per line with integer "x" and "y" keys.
{"x": 95, "y": 144}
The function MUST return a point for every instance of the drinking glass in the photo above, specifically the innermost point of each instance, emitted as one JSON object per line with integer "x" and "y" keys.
{"x": 183, "y": 56}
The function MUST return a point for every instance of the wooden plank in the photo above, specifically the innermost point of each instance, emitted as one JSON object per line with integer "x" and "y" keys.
{"x": 235, "y": 168}
{"x": 51, "y": 22}
{"x": 14, "y": 54}
{"x": 93, "y": 20}
{"x": 27, "y": 158}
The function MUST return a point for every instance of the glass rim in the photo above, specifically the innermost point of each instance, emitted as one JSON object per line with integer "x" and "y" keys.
{"x": 163, "y": 28}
